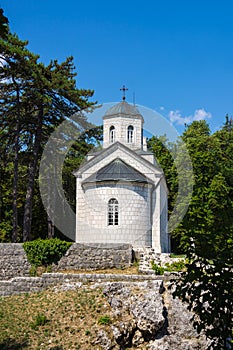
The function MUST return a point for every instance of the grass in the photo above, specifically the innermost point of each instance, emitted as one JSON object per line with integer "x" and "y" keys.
{"x": 104, "y": 319}
{"x": 48, "y": 320}
{"x": 179, "y": 256}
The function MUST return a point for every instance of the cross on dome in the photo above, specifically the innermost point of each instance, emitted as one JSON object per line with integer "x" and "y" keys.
{"x": 123, "y": 89}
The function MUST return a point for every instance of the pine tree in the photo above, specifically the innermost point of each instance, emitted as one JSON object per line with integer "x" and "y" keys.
{"x": 34, "y": 99}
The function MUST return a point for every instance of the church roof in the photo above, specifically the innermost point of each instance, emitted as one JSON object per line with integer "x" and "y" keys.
{"x": 115, "y": 171}
{"x": 123, "y": 108}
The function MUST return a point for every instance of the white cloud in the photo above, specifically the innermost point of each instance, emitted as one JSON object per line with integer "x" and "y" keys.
{"x": 161, "y": 108}
{"x": 199, "y": 114}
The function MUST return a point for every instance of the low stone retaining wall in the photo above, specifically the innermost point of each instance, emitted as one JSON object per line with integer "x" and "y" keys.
{"x": 96, "y": 256}
{"x": 13, "y": 261}
{"x": 20, "y": 285}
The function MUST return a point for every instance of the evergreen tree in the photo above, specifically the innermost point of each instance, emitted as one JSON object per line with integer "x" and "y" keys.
{"x": 3, "y": 24}
{"x": 34, "y": 100}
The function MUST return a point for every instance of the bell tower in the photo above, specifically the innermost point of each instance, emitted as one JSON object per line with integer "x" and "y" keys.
{"x": 123, "y": 123}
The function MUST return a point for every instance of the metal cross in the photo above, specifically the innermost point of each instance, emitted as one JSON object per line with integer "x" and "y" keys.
{"x": 123, "y": 89}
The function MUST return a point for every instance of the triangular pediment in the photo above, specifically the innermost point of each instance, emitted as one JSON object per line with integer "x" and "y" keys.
{"x": 126, "y": 155}
{"x": 117, "y": 170}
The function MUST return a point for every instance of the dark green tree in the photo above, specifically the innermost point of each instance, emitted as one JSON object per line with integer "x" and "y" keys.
{"x": 89, "y": 140}
{"x": 34, "y": 100}
{"x": 14, "y": 77}
{"x": 207, "y": 234}
{"x": 3, "y": 24}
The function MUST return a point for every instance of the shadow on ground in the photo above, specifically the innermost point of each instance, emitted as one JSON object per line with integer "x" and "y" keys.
{"x": 11, "y": 344}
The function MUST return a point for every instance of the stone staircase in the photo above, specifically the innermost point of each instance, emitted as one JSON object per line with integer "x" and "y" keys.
{"x": 146, "y": 255}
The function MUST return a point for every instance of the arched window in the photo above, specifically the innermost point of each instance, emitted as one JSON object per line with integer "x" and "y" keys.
{"x": 130, "y": 134}
{"x": 113, "y": 212}
{"x": 112, "y": 134}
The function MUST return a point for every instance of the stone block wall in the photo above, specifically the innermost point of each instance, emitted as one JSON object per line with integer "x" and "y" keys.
{"x": 121, "y": 124}
{"x": 134, "y": 214}
{"x": 13, "y": 261}
{"x": 92, "y": 256}
{"x": 62, "y": 281}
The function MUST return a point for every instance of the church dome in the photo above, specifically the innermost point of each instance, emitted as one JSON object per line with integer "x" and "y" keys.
{"x": 124, "y": 109}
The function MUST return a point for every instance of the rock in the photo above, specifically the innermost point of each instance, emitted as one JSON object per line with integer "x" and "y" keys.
{"x": 180, "y": 332}
{"x": 116, "y": 333}
{"x": 148, "y": 314}
{"x": 147, "y": 317}
{"x": 139, "y": 312}
{"x": 137, "y": 338}
{"x": 103, "y": 340}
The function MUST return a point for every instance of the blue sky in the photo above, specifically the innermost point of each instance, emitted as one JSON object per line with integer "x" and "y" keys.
{"x": 175, "y": 56}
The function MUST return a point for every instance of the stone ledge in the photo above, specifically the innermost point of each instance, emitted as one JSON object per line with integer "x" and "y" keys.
{"x": 20, "y": 285}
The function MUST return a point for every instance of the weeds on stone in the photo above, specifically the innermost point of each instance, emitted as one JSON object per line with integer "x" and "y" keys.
{"x": 175, "y": 266}
{"x": 159, "y": 270}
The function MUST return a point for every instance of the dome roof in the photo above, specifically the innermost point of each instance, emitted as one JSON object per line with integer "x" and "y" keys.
{"x": 123, "y": 108}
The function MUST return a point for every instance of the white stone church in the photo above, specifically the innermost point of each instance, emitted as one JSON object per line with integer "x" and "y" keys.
{"x": 121, "y": 190}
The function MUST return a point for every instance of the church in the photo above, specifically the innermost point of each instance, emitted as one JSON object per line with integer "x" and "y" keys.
{"x": 121, "y": 192}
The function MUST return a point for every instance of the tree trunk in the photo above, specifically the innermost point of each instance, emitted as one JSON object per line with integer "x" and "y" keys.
{"x": 15, "y": 188}
{"x": 16, "y": 169}
{"x": 31, "y": 180}
{"x": 50, "y": 216}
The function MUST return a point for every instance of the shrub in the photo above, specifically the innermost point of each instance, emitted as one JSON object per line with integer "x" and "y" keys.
{"x": 45, "y": 251}
{"x": 176, "y": 266}
{"x": 159, "y": 270}
{"x": 180, "y": 256}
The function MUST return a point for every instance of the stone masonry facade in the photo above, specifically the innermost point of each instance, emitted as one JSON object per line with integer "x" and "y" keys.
{"x": 92, "y": 198}
{"x": 94, "y": 257}
{"x": 13, "y": 261}
{"x": 121, "y": 124}
{"x": 134, "y": 218}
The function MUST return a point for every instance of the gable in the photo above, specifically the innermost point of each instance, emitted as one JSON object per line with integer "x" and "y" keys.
{"x": 117, "y": 150}
{"x": 115, "y": 171}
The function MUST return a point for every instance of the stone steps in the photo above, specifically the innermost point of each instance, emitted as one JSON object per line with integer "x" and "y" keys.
{"x": 147, "y": 255}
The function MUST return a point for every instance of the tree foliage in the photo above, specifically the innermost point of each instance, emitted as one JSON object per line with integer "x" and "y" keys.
{"x": 34, "y": 100}
{"x": 3, "y": 24}
{"x": 206, "y": 232}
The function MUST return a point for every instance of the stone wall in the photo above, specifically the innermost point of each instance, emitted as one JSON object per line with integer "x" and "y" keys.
{"x": 13, "y": 261}
{"x": 20, "y": 285}
{"x": 133, "y": 214}
{"x": 121, "y": 124}
{"x": 145, "y": 256}
{"x": 93, "y": 256}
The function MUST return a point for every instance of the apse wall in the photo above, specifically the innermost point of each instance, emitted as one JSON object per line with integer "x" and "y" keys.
{"x": 134, "y": 214}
